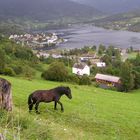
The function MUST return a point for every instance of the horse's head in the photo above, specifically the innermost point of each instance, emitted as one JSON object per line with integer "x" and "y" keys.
{"x": 68, "y": 93}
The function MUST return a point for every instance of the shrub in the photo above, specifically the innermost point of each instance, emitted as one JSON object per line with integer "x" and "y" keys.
{"x": 18, "y": 69}
{"x": 74, "y": 78}
{"x": 9, "y": 71}
{"x": 28, "y": 72}
{"x": 56, "y": 72}
{"x": 95, "y": 84}
{"x": 85, "y": 80}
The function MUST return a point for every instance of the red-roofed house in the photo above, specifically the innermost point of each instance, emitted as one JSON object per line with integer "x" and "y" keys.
{"x": 108, "y": 80}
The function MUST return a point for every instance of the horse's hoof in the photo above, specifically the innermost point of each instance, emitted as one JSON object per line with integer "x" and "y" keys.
{"x": 62, "y": 110}
{"x": 37, "y": 112}
{"x": 55, "y": 109}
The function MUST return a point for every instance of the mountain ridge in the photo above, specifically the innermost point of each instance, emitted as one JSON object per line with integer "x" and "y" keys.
{"x": 112, "y": 6}
{"x": 45, "y": 9}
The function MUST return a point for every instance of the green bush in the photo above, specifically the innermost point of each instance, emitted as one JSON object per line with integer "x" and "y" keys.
{"x": 28, "y": 72}
{"x": 9, "y": 71}
{"x": 85, "y": 80}
{"x": 74, "y": 78}
{"x": 56, "y": 72}
{"x": 18, "y": 69}
{"x": 95, "y": 84}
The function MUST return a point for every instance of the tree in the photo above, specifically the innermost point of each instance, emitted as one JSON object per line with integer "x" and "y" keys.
{"x": 131, "y": 49}
{"x": 94, "y": 48}
{"x": 137, "y": 60}
{"x": 127, "y": 77}
{"x": 107, "y": 59}
{"x": 101, "y": 49}
{"x": 2, "y": 60}
{"x": 56, "y": 72}
{"x": 111, "y": 51}
{"x": 136, "y": 79}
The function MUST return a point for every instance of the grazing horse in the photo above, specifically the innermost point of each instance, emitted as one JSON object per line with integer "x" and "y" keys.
{"x": 48, "y": 96}
{"x": 5, "y": 95}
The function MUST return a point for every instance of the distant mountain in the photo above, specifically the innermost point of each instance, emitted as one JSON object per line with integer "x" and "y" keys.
{"x": 45, "y": 9}
{"x": 112, "y": 6}
{"x": 128, "y": 21}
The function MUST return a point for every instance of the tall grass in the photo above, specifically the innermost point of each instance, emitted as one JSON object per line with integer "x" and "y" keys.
{"x": 19, "y": 125}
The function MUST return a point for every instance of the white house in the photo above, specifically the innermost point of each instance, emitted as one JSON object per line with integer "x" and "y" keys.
{"x": 101, "y": 64}
{"x": 81, "y": 69}
{"x": 42, "y": 54}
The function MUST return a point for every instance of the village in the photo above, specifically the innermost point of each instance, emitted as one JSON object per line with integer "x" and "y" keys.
{"x": 37, "y": 40}
{"x": 94, "y": 63}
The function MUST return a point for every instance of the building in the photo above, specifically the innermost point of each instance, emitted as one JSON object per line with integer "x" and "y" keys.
{"x": 106, "y": 81}
{"x": 42, "y": 54}
{"x": 101, "y": 64}
{"x": 81, "y": 69}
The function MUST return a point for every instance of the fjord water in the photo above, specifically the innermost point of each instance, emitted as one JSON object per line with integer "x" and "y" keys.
{"x": 79, "y": 36}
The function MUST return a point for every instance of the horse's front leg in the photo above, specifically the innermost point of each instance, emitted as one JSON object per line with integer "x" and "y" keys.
{"x": 36, "y": 108}
{"x": 62, "y": 109}
{"x": 55, "y": 105}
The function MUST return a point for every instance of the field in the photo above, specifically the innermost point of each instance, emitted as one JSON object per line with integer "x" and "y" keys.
{"x": 132, "y": 55}
{"x": 92, "y": 114}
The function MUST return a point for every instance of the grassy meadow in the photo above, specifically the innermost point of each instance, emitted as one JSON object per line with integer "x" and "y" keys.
{"x": 92, "y": 114}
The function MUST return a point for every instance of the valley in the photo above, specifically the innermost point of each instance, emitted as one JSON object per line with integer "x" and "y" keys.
{"x": 87, "y": 48}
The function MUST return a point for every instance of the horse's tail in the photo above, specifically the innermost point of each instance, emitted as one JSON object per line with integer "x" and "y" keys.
{"x": 30, "y": 101}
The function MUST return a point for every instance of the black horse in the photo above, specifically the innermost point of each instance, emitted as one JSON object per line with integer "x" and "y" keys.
{"x": 48, "y": 96}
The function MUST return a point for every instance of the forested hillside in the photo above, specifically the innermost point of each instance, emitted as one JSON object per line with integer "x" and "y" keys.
{"x": 17, "y": 16}
{"x": 127, "y": 21}
{"x": 16, "y": 60}
{"x": 44, "y": 10}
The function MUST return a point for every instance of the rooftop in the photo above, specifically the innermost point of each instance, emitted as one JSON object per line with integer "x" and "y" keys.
{"x": 79, "y": 65}
{"x": 107, "y": 78}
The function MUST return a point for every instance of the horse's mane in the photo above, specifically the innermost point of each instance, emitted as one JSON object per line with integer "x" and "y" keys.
{"x": 61, "y": 88}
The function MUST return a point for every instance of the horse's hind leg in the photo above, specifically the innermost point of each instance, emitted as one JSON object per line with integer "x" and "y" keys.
{"x": 55, "y": 105}
{"x": 36, "y": 107}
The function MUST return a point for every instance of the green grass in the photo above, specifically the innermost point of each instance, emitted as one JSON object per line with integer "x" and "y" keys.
{"x": 92, "y": 114}
{"x": 132, "y": 55}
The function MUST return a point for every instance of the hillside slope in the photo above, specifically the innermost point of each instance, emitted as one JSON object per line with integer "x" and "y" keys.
{"x": 18, "y": 16}
{"x": 128, "y": 21}
{"x": 112, "y": 6}
{"x": 45, "y": 9}
{"x": 92, "y": 114}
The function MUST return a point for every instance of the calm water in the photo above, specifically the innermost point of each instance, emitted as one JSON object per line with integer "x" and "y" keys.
{"x": 83, "y": 35}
